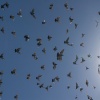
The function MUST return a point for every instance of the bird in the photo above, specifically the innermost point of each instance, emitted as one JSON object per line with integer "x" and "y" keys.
{"x": 66, "y": 41}
{"x": 83, "y": 35}
{"x": 17, "y": 50}
{"x": 77, "y": 86}
{"x": 12, "y": 17}
{"x": 43, "y": 67}
{"x": 2, "y": 30}
{"x": 71, "y": 9}
{"x": 16, "y": 97}
{"x": 89, "y": 55}
{"x": 13, "y": 33}
{"x": 41, "y": 85}
{"x": 54, "y": 65}
{"x": 87, "y": 83}
{"x": 35, "y": 56}
{"x": 19, "y": 13}
{"x": 39, "y": 41}
{"x": 57, "y": 19}
{"x": 32, "y": 12}
{"x": 99, "y": 12}
{"x": 1, "y": 93}
{"x": 82, "y": 44}
{"x": 49, "y": 37}
{"x": 51, "y": 6}
{"x": 1, "y": 73}
{"x": 28, "y": 76}
{"x": 69, "y": 75}
{"x": 83, "y": 60}
{"x": 2, "y": 18}
{"x": 68, "y": 87}
{"x": 38, "y": 77}
{"x": 60, "y": 54}
{"x": 55, "y": 48}
{"x": 75, "y": 25}
{"x": 44, "y": 50}
{"x": 27, "y": 38}
{"x": 81, "y": 89}
{"x": 87, "y": 68}
{"x": 2, "y": 56}
{"x": 71, "y": 19}
{"x": 43, "y": 22}
{"x": 66, "y": 5}
{"x": 1, "y": 82}
{"x": 13, "y": 71}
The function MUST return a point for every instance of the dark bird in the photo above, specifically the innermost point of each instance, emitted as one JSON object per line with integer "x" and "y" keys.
{"x": 32, "y": 12}
{"x": 82, "y": 44}
{"x": 1, "y": 93}
{"x": 60, "y": 54}
{"x": 43, "y": 67}
{"x": 81, "y": 89}
{"x": 44, "y": 50}
{"x": 1, "y": 73}
{"x": 68, "y": 87}
{"x": 54, "y": 65}
{"x": 87, "y": 83}
{"x": 55, "y": 48}
{"x": 41, "y": 85}
{"x": 83, "y": 60}
{"x": 2, "y": 18}
{"x": 7, "y": 4}
{"x": 83, "y": 35}
{"x": 75, "y": 25}
{"x": 2, "y": 30}
{"x": 51, "y": 6}
{"x": 13, "y": 71}
{"x": 27, "y": 38}
{"x": 28, "y": 76}
{"x": 19, "y": 13}
{"x": 12, "y": 17}
{"x": 35, "y": 56}
{"x": 69, "y": 75}
{"x": 16, "y": 97}
{"x": 71, "y": 20}
{"x": 43, "y": 22}
{"x": 17, "y": 50}
{"x": 49, "y": 37}
{"x": 57, "y": 19}
{"x": 71, "y": 9}
{"x": 1, "y": 82}
{"x": 2, "y": 56}
{"x": 39, "y": 41}
{"x": 13, "y": 33}
{"x": 66, "y": 5}
{"x": 77, "y": 86}
{"x": 38, "y": 77}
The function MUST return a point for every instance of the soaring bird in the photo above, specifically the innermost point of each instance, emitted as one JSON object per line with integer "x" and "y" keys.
{"x": 17, "y": 50}
{"x": 60, "y": 54}
{"x": 51, "y": 6}
{"x": 2, "y": 56}
{"x": 19, "y": 13}
{"x": 32, "y": 12}
{"x": 13, "y": 71}
{"x": 26, "y": 37}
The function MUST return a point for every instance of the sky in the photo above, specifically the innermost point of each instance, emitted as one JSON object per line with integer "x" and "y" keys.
{"x": 85, "y": 15}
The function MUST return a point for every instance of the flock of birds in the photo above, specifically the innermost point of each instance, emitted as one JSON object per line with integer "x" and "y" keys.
{"x": 59, "y": 54}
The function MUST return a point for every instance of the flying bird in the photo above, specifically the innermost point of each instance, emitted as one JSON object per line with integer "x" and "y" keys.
{"x": 2, "y": 56}
{"x": 17, "y": 50}
{"x": 32, "y": 12}
{"x": 27, "y": 38}
{"x": 60, "y": 54}
{"x": 13, "y": 71}
{"x": 19, "y": 13}
{"x": 51, "y": 6}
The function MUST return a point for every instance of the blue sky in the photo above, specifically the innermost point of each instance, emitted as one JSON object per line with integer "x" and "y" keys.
{"x": 85, "y": 14}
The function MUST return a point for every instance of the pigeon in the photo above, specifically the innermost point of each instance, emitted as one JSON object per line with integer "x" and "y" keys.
{"x": 19, "y": 13}
{"x": 17, "y": 50}
{"x": 51, "y": 6}
{"x": 27, "y": 38}
{"x": 32, "y": 12}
